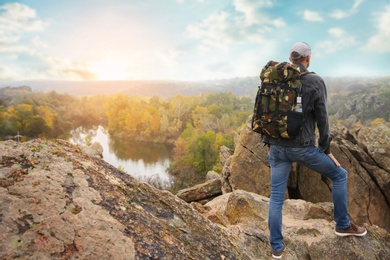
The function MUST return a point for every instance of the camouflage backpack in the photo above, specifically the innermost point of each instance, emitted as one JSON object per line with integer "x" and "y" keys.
{"x": 274, "y": 113}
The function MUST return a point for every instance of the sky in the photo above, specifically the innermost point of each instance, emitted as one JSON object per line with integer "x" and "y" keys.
{"x": 188, "y": 39}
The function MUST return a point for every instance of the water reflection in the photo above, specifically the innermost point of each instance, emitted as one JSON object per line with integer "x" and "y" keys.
{"x": 148, "y": 162}
{"x": 148, "y": 152}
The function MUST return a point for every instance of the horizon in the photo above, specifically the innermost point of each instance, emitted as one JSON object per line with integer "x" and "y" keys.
{"x": 188, "y": 40}
{"x": 2, "y": 82}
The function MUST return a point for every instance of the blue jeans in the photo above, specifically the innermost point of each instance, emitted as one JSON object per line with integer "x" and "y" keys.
{"x": 280, "y": 159}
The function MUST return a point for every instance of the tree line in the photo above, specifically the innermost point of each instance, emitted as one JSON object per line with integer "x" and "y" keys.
{"x": 45, "y": 115}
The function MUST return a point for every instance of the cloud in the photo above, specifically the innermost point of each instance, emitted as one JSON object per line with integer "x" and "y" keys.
{"x": 16, "y": 22}
{"x": 80, "y": 74}
{"x": 15, "y": 19}
{"x": 215, "y": 31}
{"x": 356, "y": 5}
{"x": 18, "y": 18}
{"x": 233, "y": 64}
{"x": 338, "y": 40}
{"x": 13, "y": 49}
{"x": 340, "y": 14}
{"x": 19, "y": 55}
{"x": 6, "y": 73}
{"x": 252, "y": 10}
{"x": 247, "y": 23}
{"x": 170, "y": 57}
{"x": 37, "y": 42}
{"x": 380, "y": 41}
{"x": 336, "y": 32}
{"x": 312, "y": 16}
{"x": 21, "y": 48}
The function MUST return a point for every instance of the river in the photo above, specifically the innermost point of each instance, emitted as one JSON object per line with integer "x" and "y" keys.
{"x": 147, "y": 162}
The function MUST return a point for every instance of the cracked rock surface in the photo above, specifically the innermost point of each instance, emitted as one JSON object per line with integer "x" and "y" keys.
{"x": 57, "y": 202}
{"x": 48, "y": 210}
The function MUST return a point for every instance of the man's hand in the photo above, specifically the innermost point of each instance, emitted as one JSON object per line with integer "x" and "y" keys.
{"x": 334, "y": 160}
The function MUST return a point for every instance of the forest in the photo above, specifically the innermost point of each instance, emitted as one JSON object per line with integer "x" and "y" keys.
{"x": 196, "y": 125}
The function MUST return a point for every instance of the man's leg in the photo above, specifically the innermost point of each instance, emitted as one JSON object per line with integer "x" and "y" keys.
{"x": 280, "y": 169}
{"x": 320, "y": 162}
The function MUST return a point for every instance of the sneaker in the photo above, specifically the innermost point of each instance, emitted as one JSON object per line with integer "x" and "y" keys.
{"x": 278, "y": 255}
{"x": 352, "y": 230}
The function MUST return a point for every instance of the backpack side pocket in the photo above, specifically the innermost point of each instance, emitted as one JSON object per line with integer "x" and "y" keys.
{"x": 294, "y": 123}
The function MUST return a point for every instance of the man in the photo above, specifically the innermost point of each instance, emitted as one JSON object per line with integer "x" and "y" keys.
{"x": 282, "y": 152}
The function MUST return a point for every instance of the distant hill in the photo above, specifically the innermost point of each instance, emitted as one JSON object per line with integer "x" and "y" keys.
{"x": 239, "y": 86}
{"x": 244, "y": 86}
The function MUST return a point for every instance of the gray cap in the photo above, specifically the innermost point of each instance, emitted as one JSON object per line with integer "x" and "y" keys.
{"x": 299, "y": 50}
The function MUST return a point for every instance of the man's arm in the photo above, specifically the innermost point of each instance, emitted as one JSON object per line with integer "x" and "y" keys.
{"x": 321, "y": 114}
{"x": 323, "y": 123}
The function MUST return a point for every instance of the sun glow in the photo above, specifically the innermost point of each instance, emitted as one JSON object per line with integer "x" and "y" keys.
{"x": 111, "y": 70}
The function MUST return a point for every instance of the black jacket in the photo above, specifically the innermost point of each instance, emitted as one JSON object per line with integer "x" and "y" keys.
{"x": 314, "y": 98}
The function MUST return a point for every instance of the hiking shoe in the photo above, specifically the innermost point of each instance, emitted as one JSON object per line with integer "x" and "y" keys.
{"x": 352, "y": 230}
{"x": 278, "y": 255}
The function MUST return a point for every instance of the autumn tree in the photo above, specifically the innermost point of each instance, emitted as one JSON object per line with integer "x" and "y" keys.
{"x": 21, "y": 116}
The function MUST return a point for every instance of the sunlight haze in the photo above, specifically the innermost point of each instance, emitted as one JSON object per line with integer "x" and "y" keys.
{"x": 188, "y": 39}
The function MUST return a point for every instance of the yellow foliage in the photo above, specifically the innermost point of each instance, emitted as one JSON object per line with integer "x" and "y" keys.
{"x": 47, "y": 114}
{"x": 377, "y": 122}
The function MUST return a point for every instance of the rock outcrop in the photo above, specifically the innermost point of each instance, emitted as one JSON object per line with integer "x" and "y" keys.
{"x": 367, "y": 166}
{"x": 57, "y": 202}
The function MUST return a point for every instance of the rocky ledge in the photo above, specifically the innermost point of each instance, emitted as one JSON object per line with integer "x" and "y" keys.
{"x": 59, "y": 202}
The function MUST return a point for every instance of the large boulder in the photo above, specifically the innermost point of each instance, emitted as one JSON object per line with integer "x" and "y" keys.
{"x": 203, "y": 191}
{"x": 249, "y": 167}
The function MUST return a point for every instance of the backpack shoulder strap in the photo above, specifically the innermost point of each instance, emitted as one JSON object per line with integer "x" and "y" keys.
{"x": 301, "y": 75}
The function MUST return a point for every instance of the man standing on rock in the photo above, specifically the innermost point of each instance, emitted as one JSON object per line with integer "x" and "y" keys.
{"x": 283, "y": 152}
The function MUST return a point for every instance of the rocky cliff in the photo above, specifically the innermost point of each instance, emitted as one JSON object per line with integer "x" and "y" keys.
{"x": 367, "y": 163}
{"x": 59, "y": 201}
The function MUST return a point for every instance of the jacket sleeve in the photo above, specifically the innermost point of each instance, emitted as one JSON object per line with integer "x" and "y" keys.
{"x": 322, "y": 119}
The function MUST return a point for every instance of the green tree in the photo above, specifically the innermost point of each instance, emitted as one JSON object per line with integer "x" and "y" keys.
{"x": 37, "y": 127}
{"x": 204, "y": 154}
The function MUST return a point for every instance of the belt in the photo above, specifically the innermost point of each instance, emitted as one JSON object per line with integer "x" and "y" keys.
{"x": 289, "y": 142}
